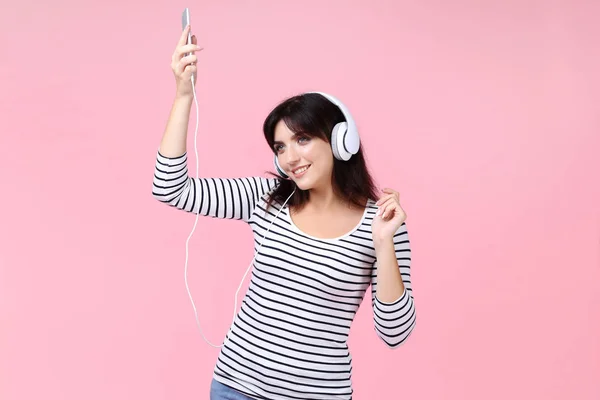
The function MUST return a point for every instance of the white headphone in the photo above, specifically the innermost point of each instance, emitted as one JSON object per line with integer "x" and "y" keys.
{"x": 345, "y": 141}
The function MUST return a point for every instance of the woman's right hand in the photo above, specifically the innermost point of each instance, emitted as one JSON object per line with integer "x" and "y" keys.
{"x": 185, "y": 66}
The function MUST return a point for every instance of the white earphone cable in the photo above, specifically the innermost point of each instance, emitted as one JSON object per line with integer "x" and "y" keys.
{"x": 194, "y": 228}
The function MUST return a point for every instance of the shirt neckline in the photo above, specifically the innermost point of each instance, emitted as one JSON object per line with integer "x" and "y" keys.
{"x": 288, "y": 216}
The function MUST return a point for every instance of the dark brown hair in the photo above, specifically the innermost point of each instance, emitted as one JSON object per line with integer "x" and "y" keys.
{"x": 314, "y": 115}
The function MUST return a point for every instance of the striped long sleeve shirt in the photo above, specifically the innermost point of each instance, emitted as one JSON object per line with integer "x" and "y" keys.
{"x": 289, "y": 339}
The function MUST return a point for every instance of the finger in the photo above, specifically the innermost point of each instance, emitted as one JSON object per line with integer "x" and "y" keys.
{"x": 383, "y": 199}
{"x": 189, "y": 59}
{"x": 187, "y": 48}
{"x": 385, "y": 208}
{"x": 390, "y": 191}
{"x": 389, "y": 212}
{"x": 184, "y": 35}
{"x": 184, "y": 50}
{"x": 194, "y": 40}
{"x": 188, "y": 72}
{"x": 180, "y": 66}
{"x": 392, "y": 211}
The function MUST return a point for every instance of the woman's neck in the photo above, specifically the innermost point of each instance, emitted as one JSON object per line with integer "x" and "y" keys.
{"x": 327, "y": 200}
{"x": 323, "y": 200}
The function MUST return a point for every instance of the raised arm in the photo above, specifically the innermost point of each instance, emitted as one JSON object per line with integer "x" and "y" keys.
{"x": 394, "y": 320}
{"x": 233, "y": 198}
{"x": 216, "y": 197}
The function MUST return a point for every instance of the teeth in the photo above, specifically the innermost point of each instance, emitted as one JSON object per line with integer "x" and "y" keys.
{"x": 301, "y": 170}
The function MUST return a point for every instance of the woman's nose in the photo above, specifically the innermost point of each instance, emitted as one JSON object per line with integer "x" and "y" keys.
{"x": 291, "y": 156}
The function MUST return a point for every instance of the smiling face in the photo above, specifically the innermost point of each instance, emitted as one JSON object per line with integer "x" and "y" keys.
{"x": 307, "y": 159}
{"x": 315, "y": 116}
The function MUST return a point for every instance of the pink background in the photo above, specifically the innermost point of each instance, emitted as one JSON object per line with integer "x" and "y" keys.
{"x": 484, "y": 115}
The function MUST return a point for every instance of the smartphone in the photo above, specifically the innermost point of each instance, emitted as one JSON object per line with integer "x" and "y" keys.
{"x": 185, "y": 21}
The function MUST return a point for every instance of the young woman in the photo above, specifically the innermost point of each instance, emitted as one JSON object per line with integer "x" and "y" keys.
{"x": 322, "y": 241}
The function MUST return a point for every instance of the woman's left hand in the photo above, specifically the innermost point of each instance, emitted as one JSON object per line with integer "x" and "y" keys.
{"x": 390, "y": 216}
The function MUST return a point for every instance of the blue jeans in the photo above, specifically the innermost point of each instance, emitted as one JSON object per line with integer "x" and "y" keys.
{"x": 218, "y": 391}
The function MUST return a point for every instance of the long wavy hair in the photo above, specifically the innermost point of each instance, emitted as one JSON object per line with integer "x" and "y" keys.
{"x": 315, "y": 116}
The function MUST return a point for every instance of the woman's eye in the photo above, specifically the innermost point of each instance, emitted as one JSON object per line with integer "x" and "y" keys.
{"x": 303, "y": 139}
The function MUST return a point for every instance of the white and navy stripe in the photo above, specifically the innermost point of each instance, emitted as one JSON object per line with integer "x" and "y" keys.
{"x": 288, "y": 341}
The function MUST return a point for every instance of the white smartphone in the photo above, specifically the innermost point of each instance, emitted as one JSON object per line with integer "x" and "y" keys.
{"x": 185, "y": 21}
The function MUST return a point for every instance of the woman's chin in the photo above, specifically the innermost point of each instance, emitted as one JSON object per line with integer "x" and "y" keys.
{"x": 303, "y": 184}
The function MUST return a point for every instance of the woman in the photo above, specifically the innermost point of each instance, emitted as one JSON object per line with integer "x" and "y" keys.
{"x": 322, "y": 242}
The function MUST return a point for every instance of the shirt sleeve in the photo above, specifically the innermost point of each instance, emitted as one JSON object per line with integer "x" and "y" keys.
{"x": 232, "y": 198}
{"x": 395, "y": 321}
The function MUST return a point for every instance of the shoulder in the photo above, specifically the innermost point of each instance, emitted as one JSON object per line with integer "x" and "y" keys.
{"x": 261, "y": 187}
{"x": 370, "y": 211}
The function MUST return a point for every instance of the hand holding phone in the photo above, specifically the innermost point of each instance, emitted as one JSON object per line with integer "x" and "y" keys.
{"x": 183, "y": 61}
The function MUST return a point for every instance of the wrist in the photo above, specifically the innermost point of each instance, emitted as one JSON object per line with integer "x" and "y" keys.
{"x": 382, "y": 241}
{"x": 184, "y": 98}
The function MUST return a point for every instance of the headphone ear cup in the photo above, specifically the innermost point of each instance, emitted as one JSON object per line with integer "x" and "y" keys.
{"x": 344, "y": 142}
{"x": 278, "y": 168}
{"x": 338, "y": 136}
